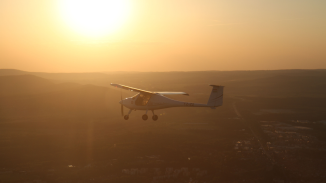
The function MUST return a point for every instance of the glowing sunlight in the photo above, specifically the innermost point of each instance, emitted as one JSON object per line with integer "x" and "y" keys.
{"x": 95, "y": 18}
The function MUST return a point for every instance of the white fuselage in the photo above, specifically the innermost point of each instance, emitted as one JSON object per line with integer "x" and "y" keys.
{"x": 155, "y": 101}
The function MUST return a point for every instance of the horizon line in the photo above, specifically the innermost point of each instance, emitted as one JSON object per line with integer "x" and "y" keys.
{"x": 158, "y": 71}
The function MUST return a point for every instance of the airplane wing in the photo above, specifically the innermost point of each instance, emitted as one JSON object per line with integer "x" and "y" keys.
{"x": 131, "y": 88}
{"x": 172, "y": 93}
{"x": 144, "y": 91}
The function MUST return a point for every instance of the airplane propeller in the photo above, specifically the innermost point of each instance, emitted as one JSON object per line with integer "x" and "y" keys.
{"x": 121, "y": 106}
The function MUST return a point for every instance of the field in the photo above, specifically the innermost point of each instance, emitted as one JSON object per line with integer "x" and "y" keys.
{"x": 67, "y": 127}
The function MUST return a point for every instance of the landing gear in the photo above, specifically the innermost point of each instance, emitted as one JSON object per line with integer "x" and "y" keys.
{"x": 145, "y": 117}
{"x": 126, "y": 117}
{"x": 155, "y": 117}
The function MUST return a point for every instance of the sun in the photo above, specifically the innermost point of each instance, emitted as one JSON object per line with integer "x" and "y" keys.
{"x": 95, "y": 18}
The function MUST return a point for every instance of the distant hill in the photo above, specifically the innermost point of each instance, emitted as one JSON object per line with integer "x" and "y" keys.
{"x": 87, "y": 100}
{"x": 83, "y": 78}
{"x": 284, "y": 85}
{"x": 22, "y": 95}
{"x": 261, "y": 83}
{"x": 28, "y": 95}
{"x": 28, "y": 85}
{"x": 5, "y": 72}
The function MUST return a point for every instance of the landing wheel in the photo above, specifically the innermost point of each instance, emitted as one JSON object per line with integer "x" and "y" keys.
{"x": 155, "y": 117}
{"x": 145, "y": 117}
{"x": 126, "y": 117}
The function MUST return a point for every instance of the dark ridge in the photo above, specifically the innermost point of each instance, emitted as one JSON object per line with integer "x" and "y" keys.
{"x": 12, "y": 85}
{"x": 4, "y": 72}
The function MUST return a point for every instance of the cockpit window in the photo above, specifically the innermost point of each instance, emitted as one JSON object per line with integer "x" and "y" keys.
{"x": 133, "y": 98}
{"x": 143, "y": 99}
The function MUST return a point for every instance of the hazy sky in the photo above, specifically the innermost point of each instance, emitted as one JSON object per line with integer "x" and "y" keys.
{"x": 163, "y": 35}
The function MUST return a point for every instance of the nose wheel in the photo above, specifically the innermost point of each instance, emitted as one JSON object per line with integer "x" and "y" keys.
{"x": 126, "y": 117}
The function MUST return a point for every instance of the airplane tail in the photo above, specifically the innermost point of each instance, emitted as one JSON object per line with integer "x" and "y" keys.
{"x": 216, "y": 97}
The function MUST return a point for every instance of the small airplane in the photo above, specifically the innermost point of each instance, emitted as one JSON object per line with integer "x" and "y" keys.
{"x": 148, "y": 100}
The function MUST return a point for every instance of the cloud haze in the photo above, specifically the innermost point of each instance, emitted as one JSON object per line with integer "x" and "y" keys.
{"x": 169, "y": 36}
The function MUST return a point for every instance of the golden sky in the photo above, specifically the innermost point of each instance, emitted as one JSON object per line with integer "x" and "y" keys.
{"x": 165, "y": 35}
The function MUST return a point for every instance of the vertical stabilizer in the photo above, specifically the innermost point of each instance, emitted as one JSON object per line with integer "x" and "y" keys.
{"x": 216, "y": 97}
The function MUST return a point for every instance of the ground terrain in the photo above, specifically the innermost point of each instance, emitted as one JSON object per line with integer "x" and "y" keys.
{"x": 67, "y": 127}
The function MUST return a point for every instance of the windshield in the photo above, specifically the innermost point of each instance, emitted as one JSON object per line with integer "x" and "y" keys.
{"x": 134, "y": 96}
{"x": 143, "y": 99}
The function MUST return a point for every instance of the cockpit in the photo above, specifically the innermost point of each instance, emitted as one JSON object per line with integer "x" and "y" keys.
{"x": 142, "y": 99}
